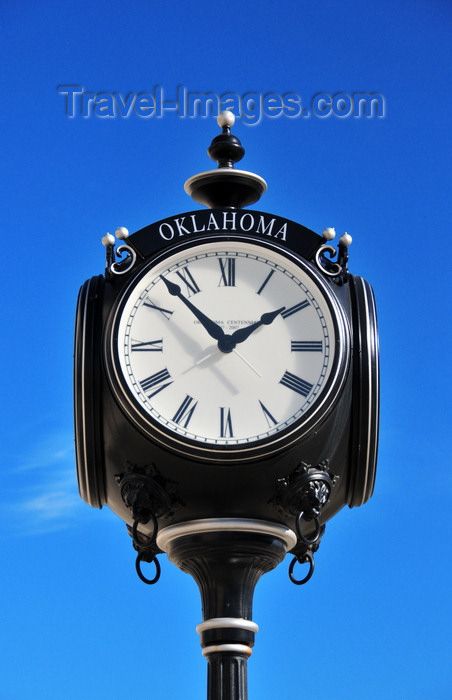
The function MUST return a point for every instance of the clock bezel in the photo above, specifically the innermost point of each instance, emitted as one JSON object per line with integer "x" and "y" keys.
{"x": 223, "y": 453}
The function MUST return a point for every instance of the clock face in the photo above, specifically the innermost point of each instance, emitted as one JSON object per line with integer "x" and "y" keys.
{"x": 228, "y": 348}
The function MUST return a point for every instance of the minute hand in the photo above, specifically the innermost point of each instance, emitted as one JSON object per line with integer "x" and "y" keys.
{"x": 243, "y": 333}
{"x": 213, "y": 329}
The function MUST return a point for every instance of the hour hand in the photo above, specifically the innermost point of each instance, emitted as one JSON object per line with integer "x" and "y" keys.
{"x": 243, "y": 333}
{"x": 214, "y": 330}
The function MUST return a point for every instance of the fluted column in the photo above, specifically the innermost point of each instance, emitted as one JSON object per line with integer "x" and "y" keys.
{"x": 227, "y": 677}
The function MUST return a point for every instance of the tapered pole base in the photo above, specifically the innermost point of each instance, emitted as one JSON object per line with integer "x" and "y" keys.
{"x": 227, "y": 557}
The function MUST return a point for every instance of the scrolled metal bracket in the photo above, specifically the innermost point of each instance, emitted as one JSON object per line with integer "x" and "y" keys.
{"x": 327, "y": 265}
{"x": 124, "y": 264}
{"x": 336, "y": 269}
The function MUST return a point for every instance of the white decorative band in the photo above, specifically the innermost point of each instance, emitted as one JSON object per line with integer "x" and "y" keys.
{"x": 221, "y": 622}
{"x": 195, "y": 527}
{"x": 228, "y": 649}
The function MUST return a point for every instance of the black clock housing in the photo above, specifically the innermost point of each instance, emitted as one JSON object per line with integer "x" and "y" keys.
{"x": 115, "y": 435}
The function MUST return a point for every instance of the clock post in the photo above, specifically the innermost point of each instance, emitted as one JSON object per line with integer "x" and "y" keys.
{"x": 227, "y": 557}
{"x": 226, "y": 396}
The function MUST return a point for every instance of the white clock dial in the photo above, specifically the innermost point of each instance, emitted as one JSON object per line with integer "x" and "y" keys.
{"x": 227, "y": 344}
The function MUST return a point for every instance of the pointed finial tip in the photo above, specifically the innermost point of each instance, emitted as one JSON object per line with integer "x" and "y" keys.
{"x": 108, "y": 240}
{"x": 226, "y": 118}
{"x": 345, "y": 240}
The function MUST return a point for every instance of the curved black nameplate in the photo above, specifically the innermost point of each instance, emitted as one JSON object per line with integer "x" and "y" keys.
{"x": 208, "y": 222}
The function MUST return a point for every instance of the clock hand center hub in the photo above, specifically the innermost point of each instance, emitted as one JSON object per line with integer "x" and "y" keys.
{"x": 226, "y": 343}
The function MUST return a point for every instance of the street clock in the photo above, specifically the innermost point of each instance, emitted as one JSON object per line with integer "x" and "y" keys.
{"x": 226, "y": 390}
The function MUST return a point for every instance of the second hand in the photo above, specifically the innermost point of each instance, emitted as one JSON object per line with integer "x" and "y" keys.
{"x": 247, "y": 363}
{"x": 214, "y": 352}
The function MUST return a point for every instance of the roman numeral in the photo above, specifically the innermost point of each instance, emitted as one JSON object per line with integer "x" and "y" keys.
{"x": 268, "y": 416}
{"x": 306, "y": 345}
{"x": 266, "y": 281}
{"x": 156, "y": 382}
{"x": 227, "y": 267}
{"x": 166, "y": 312}
{"x": 291, "y": 381}
{"x": 186, "y": 277}
{"x": 185, "y": 411}
{"x": 294, "y": 309}
{"x": 147, "y": 346}
{"x": 225, "y": 423}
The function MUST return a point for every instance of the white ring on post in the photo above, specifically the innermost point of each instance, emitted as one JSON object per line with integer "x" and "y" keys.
{"x": 195, "y": 527}
{"x": 228, "y": 648}
{"x": 222, "y": 622}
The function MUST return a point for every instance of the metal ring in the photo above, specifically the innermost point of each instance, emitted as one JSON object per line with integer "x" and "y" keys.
{"x": 140, "y": 543}
{"x": 154, "y": 559}
{"x": 307, "y": 557}
{"x": 302, "y": 537}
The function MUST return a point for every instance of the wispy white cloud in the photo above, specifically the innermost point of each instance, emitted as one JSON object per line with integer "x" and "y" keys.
{"x": 51, "y": 504}
{"x": 42, "y": 494}
{"x": 48, "y": 451}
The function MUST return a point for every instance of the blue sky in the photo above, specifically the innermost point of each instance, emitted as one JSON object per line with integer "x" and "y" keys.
{"x": 374, "y": 622}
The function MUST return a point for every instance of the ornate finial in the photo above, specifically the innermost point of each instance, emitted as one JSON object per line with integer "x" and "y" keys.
{"x": 327, "y": 265}
{"x": 226, "y": 149}
{"x": 108, "y": 240}
{"x": 120, "y": 267}
{"x": 122, "y": 233}
{"x": 329, "y": 233}
{"x": 225, "y": 187}
{"x": 345, "y": 240}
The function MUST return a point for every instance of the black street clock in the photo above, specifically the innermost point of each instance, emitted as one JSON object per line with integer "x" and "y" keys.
{"x": 227, "y": 350}
{"x": 226, "y": 393}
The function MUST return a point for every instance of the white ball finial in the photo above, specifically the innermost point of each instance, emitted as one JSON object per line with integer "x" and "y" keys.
{"x": 226, "y": 118}
{"x": 122, "y": 232}
{"x": 108, "y": 239}
{"x": 345, "y": 240}
{"x": 329, "y": 234}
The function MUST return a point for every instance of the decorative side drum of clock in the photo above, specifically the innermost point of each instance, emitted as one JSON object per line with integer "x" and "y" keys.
{"x": 226, "y": 396}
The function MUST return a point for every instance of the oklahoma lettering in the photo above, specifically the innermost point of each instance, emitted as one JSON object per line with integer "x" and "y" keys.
{"x": 233, "y": 221}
